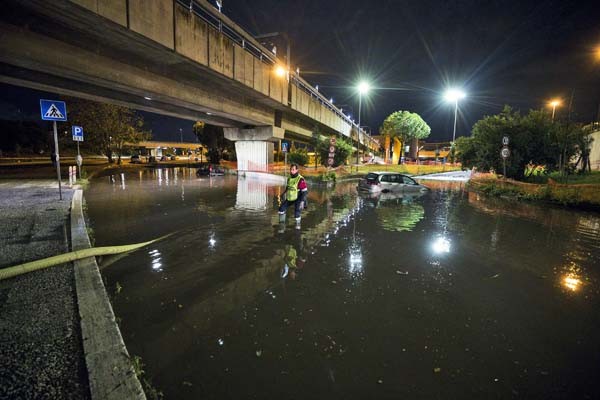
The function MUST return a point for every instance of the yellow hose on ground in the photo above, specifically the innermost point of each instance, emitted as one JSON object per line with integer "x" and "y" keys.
{"x": 31, "y": 266}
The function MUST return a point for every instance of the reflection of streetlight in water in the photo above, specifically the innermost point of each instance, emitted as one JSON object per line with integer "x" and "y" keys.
{"x": 571, "y": 282}
{"x": 355, "y": 259}
{"x": 356, "y": 265}
{"x": 441, "y": 245}
{"x": 571, "y": 278}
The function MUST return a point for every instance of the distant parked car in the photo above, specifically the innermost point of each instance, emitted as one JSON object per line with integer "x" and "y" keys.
{"x": 389, "y": 182}
{"x": 210, "y": 170}
{"x": 135, "y": 159}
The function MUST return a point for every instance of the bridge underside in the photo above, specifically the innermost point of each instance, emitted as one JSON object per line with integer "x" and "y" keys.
{"x": 92, "y": 58}
{"x": 60, "y": 46}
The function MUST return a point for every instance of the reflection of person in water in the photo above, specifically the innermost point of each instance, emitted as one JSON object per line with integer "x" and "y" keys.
{"x": 293, "y": 262}
{"x": 290, "y": 257}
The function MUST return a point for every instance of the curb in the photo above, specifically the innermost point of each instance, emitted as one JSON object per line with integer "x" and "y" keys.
{"x": 110, "y": 373}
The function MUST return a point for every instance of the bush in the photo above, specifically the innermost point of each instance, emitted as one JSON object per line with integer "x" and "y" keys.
{"x": 298, "y": 156}
{"x": 343, "y": 149}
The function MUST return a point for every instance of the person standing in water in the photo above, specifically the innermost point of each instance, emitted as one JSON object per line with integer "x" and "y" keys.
{"x": 295, "y": 193}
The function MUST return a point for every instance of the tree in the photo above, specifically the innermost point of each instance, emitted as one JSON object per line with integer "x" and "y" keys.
{"x": 108, "y": 126}
{"x": 213, "y": 139}
{"x": 405, "y": 126}
{"x": 534, "y": 139}
{"x": 316, "y": 137}
{"x": 298, "y": 156}
{"x": 23, "y": 136}
{"x": 343, "y": 149}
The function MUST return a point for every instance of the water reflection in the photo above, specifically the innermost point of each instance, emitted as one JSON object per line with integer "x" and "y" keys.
{"x": 572, "y": 282}
{"x": 356, "y": 260}
{"x": 212, "y": 241}
{"x": 255, "y": 193}
{"x": 396, "y": 212}
{"x": 441, "y": 245}
{"x": 156, "y": 260}
{"x": 235, "y": 295}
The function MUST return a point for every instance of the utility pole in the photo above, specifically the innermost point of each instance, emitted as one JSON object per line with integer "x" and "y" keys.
{"x": 57, "y": 160}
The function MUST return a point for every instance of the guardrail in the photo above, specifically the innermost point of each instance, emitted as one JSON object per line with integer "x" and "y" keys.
{"x": 207, "y": 12}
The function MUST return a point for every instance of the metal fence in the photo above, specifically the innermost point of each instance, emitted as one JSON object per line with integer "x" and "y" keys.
{"x": 205, "y": 11}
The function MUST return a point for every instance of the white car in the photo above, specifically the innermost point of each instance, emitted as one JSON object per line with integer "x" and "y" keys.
{"x": 389, "y": 182}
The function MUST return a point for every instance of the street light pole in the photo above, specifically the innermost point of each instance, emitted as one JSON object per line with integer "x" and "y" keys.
{"x": 455, "y": 116}
{"x": 363, "y": 88}
{"x": 358, "y": 131}
{"x": 554, "y": 103}
{"x": 453, "y": 96}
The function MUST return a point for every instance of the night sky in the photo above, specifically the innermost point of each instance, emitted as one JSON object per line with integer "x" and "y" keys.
{"x": 518, "y": 53}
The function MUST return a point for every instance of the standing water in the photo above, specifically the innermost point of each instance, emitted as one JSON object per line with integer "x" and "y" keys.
{"x": 447, "y": 295}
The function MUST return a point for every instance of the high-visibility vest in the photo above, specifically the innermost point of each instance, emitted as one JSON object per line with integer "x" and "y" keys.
{"x": 292, "y": 187}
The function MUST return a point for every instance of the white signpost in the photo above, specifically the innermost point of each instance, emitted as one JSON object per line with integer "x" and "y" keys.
{"x": 504, "y": 153}
{"x": 284, "y": 149}
{"x": 78, "y": 137}
{"x": 331, "y": 155}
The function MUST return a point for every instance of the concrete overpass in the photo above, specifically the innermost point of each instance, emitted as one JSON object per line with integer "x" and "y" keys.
{"x": 172, "y": 57}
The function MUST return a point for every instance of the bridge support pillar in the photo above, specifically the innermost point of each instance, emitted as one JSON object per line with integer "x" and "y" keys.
{"x": 254, "y": 146}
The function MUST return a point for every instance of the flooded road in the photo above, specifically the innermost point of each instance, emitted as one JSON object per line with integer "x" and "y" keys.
{"x": 446, "y": 295}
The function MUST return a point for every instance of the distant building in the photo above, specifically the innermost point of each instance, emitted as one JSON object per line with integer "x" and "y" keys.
{"x": 595, "y": 152}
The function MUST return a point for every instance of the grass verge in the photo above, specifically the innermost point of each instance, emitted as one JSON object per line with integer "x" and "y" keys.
{"x": 572, "y": 195}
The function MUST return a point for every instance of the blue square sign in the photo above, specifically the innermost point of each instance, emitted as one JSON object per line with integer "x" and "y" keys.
{"x": 53, "y": 110}
{"x": 77, "y": 133}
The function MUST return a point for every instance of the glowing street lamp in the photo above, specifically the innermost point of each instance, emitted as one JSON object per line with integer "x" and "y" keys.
{"x": 554, "y": 103}
{"x": 363, "y": 89}
{"x": 453, "y": 96}
{"x": 280, "y": 71}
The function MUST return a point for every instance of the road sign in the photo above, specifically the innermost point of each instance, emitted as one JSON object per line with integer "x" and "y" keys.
{"x": 332, "y": 141}
{"x": 330, "y": 161}
{"x": 505, "y": 141}
{"x": 77, "y": 133}
{"x": 53, "y": 110}
{"x": 284, "y": 147}
{"x": 505, "y": 152}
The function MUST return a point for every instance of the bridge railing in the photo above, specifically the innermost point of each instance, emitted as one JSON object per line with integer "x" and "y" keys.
{"x": 207, "y": 12}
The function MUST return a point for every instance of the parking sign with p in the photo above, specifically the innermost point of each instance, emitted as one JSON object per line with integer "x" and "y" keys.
{"x": 77, "y": 133}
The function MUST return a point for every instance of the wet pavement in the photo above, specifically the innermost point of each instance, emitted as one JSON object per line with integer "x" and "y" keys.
{"x": 41, "y": 354}
{"x": 446, "y": 295}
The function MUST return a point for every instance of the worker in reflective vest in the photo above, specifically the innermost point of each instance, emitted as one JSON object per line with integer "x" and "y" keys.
{"x": 295, "y": 193}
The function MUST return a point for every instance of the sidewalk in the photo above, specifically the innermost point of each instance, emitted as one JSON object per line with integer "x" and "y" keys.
{"x": 41, "y": 352}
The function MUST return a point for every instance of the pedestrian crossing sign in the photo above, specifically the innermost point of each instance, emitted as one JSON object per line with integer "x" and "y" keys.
{"x": 53, "y": 110}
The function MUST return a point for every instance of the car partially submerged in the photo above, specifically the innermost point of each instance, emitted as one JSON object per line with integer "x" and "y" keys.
{"x": 389, "y": 182}
{"x": 210, "y": 170}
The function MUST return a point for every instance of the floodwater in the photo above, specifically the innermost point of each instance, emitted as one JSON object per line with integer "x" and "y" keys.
{"x": 444, "y": 296}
